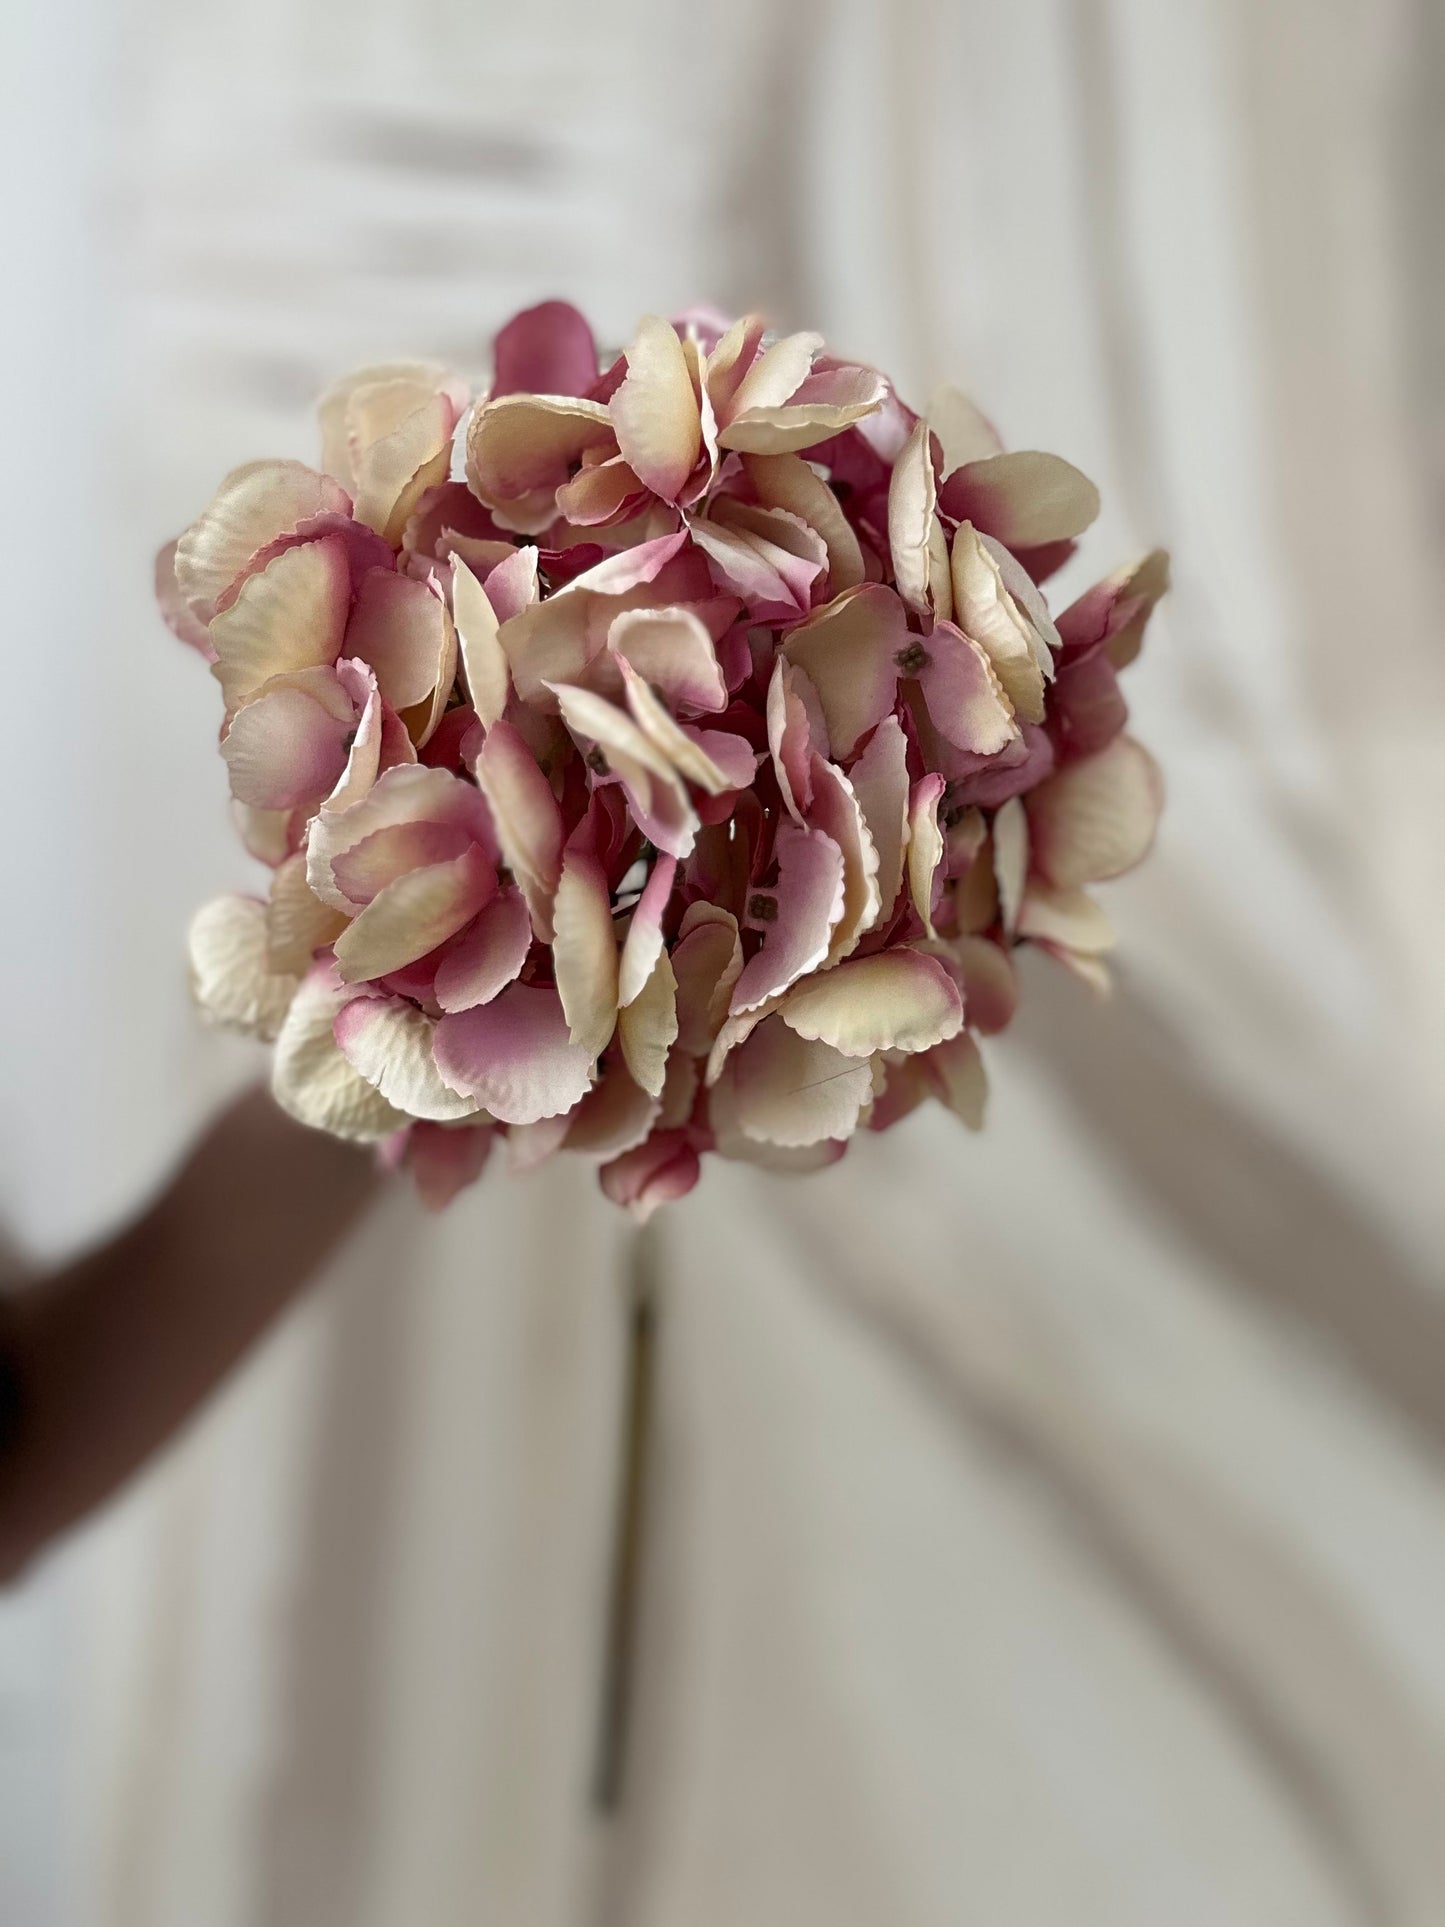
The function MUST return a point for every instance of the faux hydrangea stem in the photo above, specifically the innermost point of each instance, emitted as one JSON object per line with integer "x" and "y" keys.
{"x": 620, "y": 1651}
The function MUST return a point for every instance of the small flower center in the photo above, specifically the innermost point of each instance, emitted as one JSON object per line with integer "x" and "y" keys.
{"x": 763, "y": 909}
{"x": 596, "y": 761}
{"x": 913, "y": 659}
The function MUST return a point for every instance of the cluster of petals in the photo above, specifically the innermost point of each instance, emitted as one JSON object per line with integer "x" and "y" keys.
{"x": 660, "y": 755}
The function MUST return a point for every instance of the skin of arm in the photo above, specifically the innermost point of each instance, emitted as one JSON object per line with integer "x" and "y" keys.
{"x": 103, "y": 1360}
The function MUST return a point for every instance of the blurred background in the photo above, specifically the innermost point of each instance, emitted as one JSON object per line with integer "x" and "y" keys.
{"x": 1047, "y": 1527}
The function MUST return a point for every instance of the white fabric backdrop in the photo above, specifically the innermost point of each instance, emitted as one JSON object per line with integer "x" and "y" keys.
{"x": 1049, "y": 1527}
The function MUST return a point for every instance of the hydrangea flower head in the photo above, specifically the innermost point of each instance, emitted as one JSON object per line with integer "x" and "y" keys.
{"x": 663, "y": 756}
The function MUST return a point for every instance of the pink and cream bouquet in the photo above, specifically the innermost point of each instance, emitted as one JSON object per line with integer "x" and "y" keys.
{"x": 682, "y": 776}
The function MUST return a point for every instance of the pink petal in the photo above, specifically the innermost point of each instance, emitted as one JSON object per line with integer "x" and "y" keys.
{"x": 528, "y": 821}
{"x": 512, "y": 585}
{"x": 925, "y": 845}
{"x": 615, "y": 1116}
{"x": 631, "y": 568}
{"x": 787, "y": 482}
{"x": 707, "y": 961}
{"x": 915, "y": 539}
{"x": 955, "y": 1070}
{"x": 790, "y": 736}
{"x": 663, "y": 1169}
{"x": 965, "y": 699}
{"x": 444, "y": 1160}
{"x": 644, "y": 941}
{"x": 399, "y": 626}
{"x": 287, "y": 748}
{"x": 990, "y": 983}
{"x": 655, "y": 793}
{"x": 393, "y": 851}
{"x": 798, "y": 921}
{"x": 487, "y": 956}
{"x": 837, "y": 812}
{"x": 546, "y": 350}
{"x": 1087, "y": 708}
{"x": 515, "y": 1055}
{"x": 409, "y": 795}
{"x": 521, "y": 449}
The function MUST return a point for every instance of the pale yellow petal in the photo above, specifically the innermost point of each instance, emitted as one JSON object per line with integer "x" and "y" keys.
{"x": 232, "y": 977}
{"x": 310, "y": 1077}
{"x": 895, "y": 1000}
{"x": 647, "y": 1027}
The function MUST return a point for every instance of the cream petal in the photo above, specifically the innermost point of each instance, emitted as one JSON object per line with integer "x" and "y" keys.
{"x": 298, "y": 923}
{"x": 527, "y": 818}
{"x": 775, "y": 374}
{"x": 521, "y": 449}
{"x": 484, "y": 662}
{"x": 837, "y": 812}
{"x": 655, "y": 411}
{"x": 683, "y": 752}
{"x": 880, "y": 783}
{"x": 1092, "y": 971}
{"x": 409, "y": 795}
{"x": 389, "y": 1043}
{"x": 409, "y": 917}
{"x": 530, "y": 1146}
{"x": 925, "y": 845}
{"x": 787, "y": 482}
{"x": 290, "y": 615}
{"x": 914, "y": 535}
{"x": 780, "y": 1088}
{"x": 656, "y": 1173}
{"x": 644, "y": 942}
{"x": 894, "y": 1000}
{"x": 647, "y": 1027}
{"x": 268, "y": 835}
{"x": 655, "y": 792}
{"x": 844, "y": 397}
{"x": 444, "y": 1159}
{"x": 615, "y": 1116}
{"x": 584, "y": 952}
{"x": 487, "y": 956}
{"x": 180, "y": 618}
{"x": 371, "y": 401}
{"x": 254, "y": 504}
{"x": 1011, "y": 828}
{"x": 707, "y": 961}
{"x": 1068, "y": 916}
{"x": 965, "y": 699}
{"x": 849, "y": 650}
{"x": 679, "y": 1091}
{"x": 599, "y": 492}
{"x": 964, "y": 431}
{"x": 672, "y": 651}
{"x": 955, "y": 1071}
{"x": 1096, "y": 818}
{"x": 990, "y": 983}
{"x": 806, "y": 908}
{"x": 311, "y": 1079}
{"x": 286, "y": 749}
{"x": 515, "y": 1056}
{"x": 395, "y": 461}
{"x": 985, "y": 609}
{"x": 1024, "y": 498}
{"x": 233, "y": 979}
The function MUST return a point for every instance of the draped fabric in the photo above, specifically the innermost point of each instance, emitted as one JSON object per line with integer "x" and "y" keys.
{"x": 1047, "y": 1527}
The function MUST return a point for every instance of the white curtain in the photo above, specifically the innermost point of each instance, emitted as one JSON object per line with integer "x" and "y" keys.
{"x": 1045, "y": 1528}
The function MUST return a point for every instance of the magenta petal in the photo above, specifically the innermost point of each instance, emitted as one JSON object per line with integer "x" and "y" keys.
{"x": 487, "y": 956}
{"x": 546, "y": 350}
{"x": 797, "y": 920}
{"x": 1086, "y": 708}
{"x": 515, "y": 1055}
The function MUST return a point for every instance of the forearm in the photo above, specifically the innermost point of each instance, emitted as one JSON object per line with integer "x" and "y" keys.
{"x": 107, "y": 1358}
